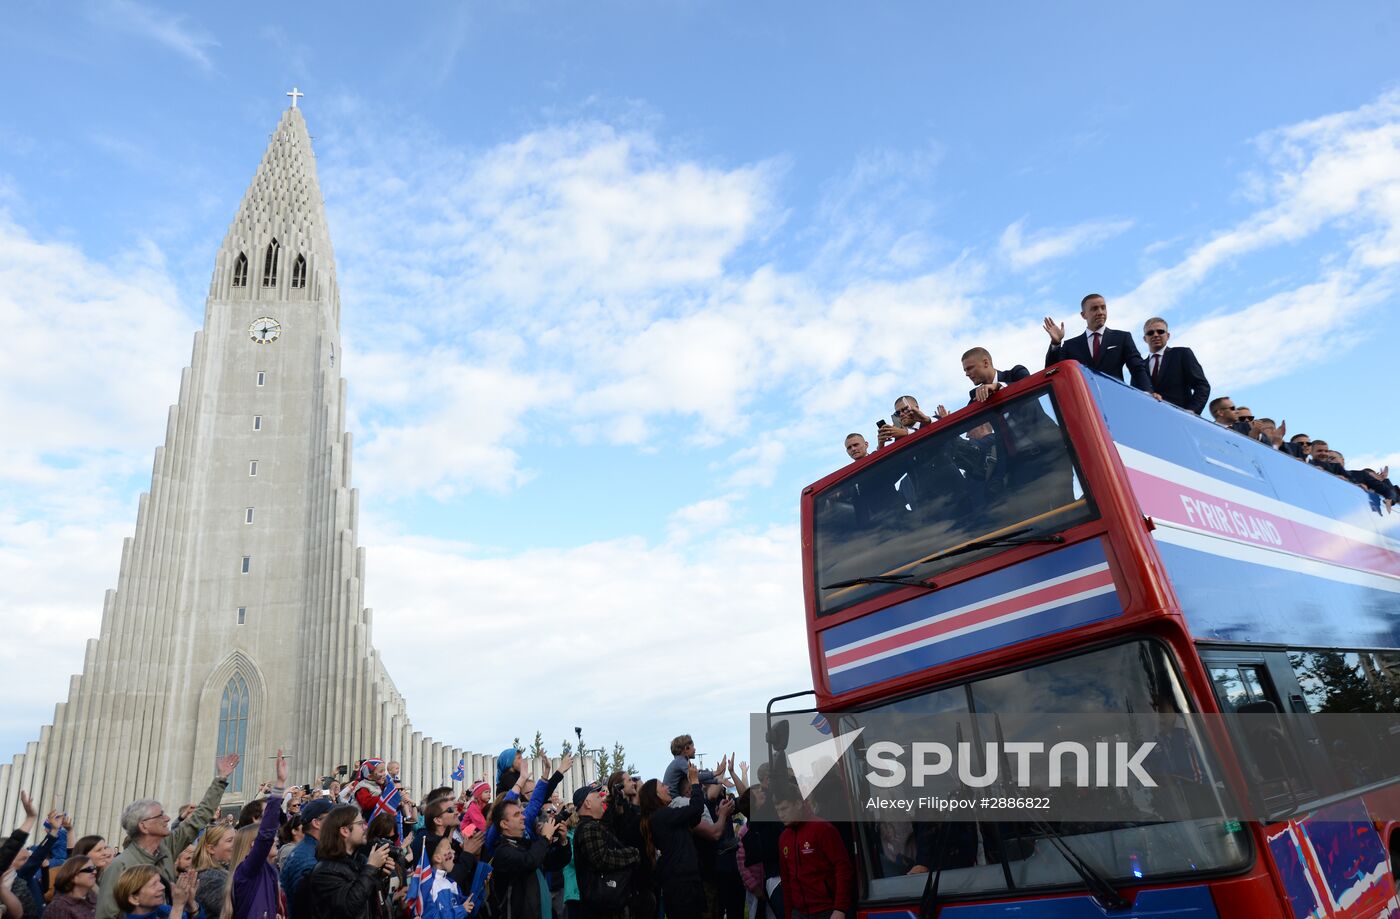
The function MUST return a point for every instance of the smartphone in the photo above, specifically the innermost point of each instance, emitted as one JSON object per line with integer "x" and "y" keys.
{"x": 881, "y": 423}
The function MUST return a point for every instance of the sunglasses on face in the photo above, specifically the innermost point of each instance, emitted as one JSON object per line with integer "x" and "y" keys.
{"x": 1155, "y": 332}
{"x": 88, "y": 870}
{"x": 1246, "y": 417}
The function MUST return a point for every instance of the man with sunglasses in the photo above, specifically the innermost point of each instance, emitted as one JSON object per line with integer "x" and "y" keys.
{"x": 1297, "y": 446}
{"x": 1175, "y": 373}
{"x": 1222, "y": 409}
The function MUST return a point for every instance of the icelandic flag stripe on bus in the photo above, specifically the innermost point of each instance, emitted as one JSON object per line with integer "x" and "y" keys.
{"x": 1064, "y": 589}
{"x": 1188, "y": 499}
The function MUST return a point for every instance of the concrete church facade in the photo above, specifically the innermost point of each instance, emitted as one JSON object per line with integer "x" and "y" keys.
{"x": 238, "y": 621}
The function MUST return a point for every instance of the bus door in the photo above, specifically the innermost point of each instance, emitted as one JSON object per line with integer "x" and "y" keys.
{"x": 1281, "y": 756}
{"x": 1326, "y": 853}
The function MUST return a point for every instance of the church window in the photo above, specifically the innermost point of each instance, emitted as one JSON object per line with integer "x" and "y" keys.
{"x": 233, "y": 725}
{"x": 252, "y": 467}
{"x": 242, "y": 614}
{"x": 247, "y": 515}
{"x": 270, "y": 264}
{"x": 240, "y": 271}
{"x": 257, "y": 422}
{"x": 299, "y": 272}
{"x": 247, "y": 563}
{"x": 262, "y": 377}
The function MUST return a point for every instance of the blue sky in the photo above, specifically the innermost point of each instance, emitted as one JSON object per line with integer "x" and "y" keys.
{"x": 617, "y": 278}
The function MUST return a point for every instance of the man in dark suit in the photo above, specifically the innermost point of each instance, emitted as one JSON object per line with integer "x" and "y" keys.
{"x": 1100, "y": 347}
{"x": 1175, "y": 373}
{"x": 986, "y": 379}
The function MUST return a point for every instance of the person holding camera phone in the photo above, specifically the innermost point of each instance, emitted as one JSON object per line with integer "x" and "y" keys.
{"x": 342, "y": 886}
{"x": 908, "y": 418}
{"x": 518, "y": 860}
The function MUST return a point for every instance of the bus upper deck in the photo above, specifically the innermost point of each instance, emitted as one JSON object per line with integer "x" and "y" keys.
{"x": 1094, "y": 506}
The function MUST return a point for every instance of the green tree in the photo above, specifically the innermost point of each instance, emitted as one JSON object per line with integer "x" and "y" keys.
{"x": 537, "y": 746}
{"x": 619, "y": 758}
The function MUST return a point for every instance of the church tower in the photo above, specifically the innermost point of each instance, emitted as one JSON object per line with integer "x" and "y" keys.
{"x": 237, "y": 623}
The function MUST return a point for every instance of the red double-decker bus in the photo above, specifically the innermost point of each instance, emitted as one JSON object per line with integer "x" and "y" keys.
{"x": 1070, "y": 546}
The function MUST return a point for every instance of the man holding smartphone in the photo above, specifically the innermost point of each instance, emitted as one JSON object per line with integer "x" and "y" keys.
{"x": 908, "y": 418}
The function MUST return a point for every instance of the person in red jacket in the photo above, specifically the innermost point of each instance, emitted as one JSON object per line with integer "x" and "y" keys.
{"x": 368, "y": 786}
{"x": 818, "y": 878}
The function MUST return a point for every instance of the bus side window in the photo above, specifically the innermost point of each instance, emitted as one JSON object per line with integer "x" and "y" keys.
{"x": 1239, "y": 684}
{"x": 1344, "y": 683}
{"x": 1275, "y": 770}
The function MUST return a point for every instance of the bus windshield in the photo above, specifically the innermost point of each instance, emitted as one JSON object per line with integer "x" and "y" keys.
{"x": 986, "y": 857}
{"x": 1005, "y": 474}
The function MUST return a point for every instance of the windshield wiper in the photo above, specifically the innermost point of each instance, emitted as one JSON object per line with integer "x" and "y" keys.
{"x": 904, "y": 580}
{"x": 1106, "y": 895}
{"x": 1099, "y": 888}
{"x": 1014, "y": 538}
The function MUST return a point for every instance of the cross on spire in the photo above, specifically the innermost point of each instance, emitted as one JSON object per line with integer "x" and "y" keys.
{"x": 295, "y": 94}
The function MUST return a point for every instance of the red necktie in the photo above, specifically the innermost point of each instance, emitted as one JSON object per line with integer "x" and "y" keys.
{"x": 1096, "y": 348}
{"x": 1156, "y": 366}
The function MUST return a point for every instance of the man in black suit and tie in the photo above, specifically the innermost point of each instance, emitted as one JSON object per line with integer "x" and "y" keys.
{"x": 1175, "y": 373}
{"x": 986, "y": 379}
{"x": 1100, "y": 347}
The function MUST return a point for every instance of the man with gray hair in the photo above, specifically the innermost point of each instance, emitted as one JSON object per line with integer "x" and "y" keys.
{"x": 151, "y": 842}
{"x": 1175, "y": 373}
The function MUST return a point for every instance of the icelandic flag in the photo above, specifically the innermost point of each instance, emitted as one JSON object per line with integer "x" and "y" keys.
{"x": 419, "y": 882}
{"x": 820, "y": 723}
{"x": 388, "y": 803}
{"x": 460, "y": 772}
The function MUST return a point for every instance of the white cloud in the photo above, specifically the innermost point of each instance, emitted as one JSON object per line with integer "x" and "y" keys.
{"x": 1341, "y": 170}
{"x": 631, "y": 640}
{"x": 1376, "y": 461}
{"x": 700, "y": 518}
{"x": 1296, "y": 323}
{"x": 1024, "y": 251}
{"x": 562, "y": 217}
{"x": 159, "y": 26}
{"x": 87, "y": 346}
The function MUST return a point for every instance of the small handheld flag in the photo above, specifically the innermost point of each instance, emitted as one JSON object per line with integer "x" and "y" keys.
{"x": 389, "y": 802}
{"x": 419, "y": 881}
{"x": 460, "y": 772}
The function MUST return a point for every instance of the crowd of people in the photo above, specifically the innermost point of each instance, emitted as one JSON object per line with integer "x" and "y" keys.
{"x": 692, "y": 843}
{"x": 1169, "y": 373}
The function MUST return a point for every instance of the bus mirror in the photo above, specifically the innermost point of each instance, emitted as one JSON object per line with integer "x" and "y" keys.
{"x": 777, "y": 736}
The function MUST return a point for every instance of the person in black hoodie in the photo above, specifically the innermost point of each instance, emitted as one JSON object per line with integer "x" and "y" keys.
{"x": 624, "y": 818}
{"x": 342, "y": 886}
{"x": 671, "y": 847}
{"x": 517, "y": 888}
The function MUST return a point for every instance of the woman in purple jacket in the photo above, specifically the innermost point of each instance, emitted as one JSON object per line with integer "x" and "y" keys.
{"x": 252, "y": 891}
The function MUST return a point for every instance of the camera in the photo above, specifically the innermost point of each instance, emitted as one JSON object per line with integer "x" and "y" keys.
{"x": 399, "y": 856}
